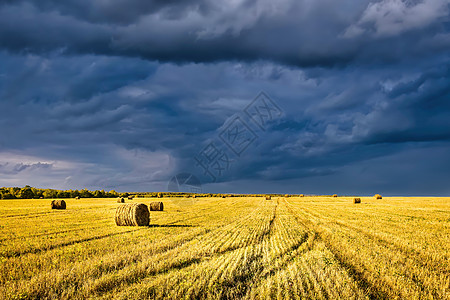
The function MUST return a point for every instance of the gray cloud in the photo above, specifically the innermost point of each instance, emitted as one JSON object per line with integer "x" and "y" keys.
{"x": 16, "y": 168}
{"x": 319, "y": 33}
{"x": 94, "y": 95}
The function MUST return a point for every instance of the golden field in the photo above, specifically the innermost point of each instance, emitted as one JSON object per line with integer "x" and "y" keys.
{"x": 228, "y": 248}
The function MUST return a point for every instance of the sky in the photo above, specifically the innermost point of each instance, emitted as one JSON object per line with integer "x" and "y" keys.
{"x": 254, "y": 96}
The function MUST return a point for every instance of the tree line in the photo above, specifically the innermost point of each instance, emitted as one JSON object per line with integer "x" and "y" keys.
{"x": 29, "y": 192}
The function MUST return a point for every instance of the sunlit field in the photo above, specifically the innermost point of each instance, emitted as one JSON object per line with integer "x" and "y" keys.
{"x": 228, "y": 248}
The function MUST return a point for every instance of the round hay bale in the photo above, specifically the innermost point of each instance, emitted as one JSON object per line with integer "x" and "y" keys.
{"x": 194, "y": 196}
{"x": 156, "y": 206}
{"x": 77, "y": 197}
{"x": 378, "y": 196}
{"x": 286, "y": 196}
{"x": 120, "y": 200}
{"x": 335, "y": 195}
{"x": 357, "y": 200}
{"x": 301, "y": 195}
{"x": 58, "y": 204}
{"x": 160, "y": 195}
{"x": 268, "y": 197}
{"x": 130, "y": 197}
{"x": 132, "y": 214}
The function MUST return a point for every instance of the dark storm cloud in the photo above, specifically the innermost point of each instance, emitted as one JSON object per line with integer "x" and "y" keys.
{"x": 298, "y": 33}
{"x": 115, "y": 12}
{"x": 139, "y": 132}
{"x": 92, "y": 95}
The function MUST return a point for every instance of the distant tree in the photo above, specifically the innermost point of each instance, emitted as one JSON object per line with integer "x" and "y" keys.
{"x": 64, "y": 194}
{"x": 37, "y": 193}
{"x": 113, "y": 194}
{"x": 98, "y": 194}
{"x": 85, "y": 194}
{"x": 50, "y": 194}
{"x": 25, "y": 193}
{"x": 8, "y": 195}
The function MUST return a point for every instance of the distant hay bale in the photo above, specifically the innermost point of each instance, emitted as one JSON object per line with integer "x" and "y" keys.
{"x": 58, "y": 204}
{"x": 194, "y": 196}
{"x": 130, "y": 197}
{"x": 77, "y": 197}
{"x": 301, "y": 195}
{"x": 156, "y": 206}
{"x": 160, "y": 195}
{"x": 132, "y": 214}
{"x": 335, "y": 195}
{"x": 268, "y": 198}
{"x": 357, "y": 200}
{"x": 120, "y": 200}
{"x": 378, "y": 196}
{"x": 41, "y": 197}
{"x": 224, "y": 196}
{"x": 286, "y": 196}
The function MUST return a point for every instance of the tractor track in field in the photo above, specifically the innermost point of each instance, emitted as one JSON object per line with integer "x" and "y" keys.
{"x": 102, "y": 287}
{"x": 174, "y": 244}
{"x": 253, "y": 261}
{"x": 48, "y": 233}
{"x": 32, "y": 215}
{"x": 358, "y": 276}
{"x": 203, "y": 255}
{"x": 422, "y": 259}
{"x": 9, "y": 254}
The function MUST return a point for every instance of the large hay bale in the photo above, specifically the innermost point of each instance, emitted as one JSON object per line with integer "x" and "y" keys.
{"x": 58, "y": 204}
{"x": 156, "y": 206}
{"x": 268, "y": 197}
{"x": 132, "y": 214}
{"x": 378, "y": 196}
{"x": 120, "y": 200}
{"x": 335, "y": 195}
{"x": 301, "y": 195}
{"x": 357, "y": 200}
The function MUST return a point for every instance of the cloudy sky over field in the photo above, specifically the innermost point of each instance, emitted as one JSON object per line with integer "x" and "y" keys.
{"x": 126, "y": 94}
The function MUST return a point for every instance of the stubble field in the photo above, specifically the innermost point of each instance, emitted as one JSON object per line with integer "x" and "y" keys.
{"x": 231, "y": 248}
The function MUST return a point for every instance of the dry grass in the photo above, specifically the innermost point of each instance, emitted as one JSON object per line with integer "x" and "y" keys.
{"x": 234, "y": 248}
